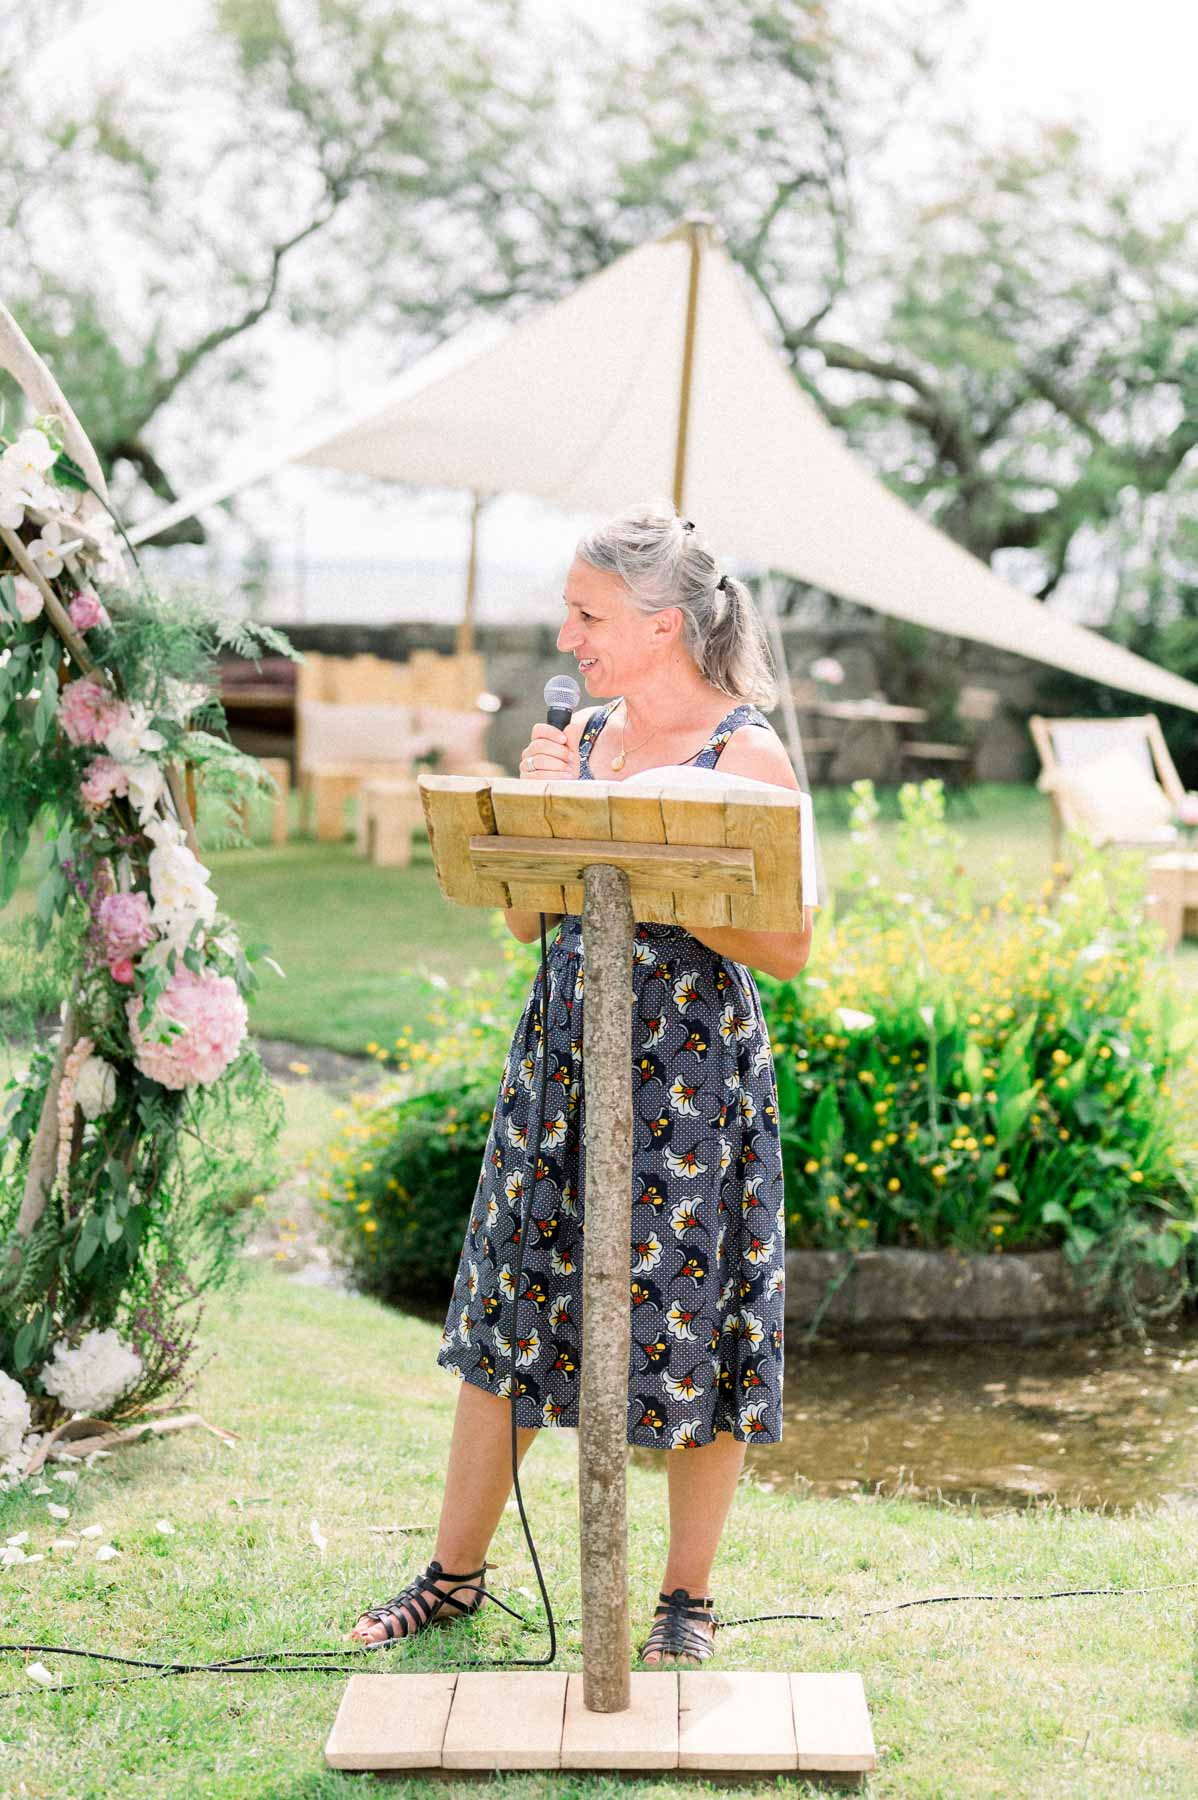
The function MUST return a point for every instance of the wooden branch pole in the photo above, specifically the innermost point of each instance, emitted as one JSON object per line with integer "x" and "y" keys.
{"x": 607, "y": 926}
{"x": 613, "y": 853}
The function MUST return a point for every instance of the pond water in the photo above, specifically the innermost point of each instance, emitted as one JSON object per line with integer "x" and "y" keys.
{"x": 1090, "y": 1421}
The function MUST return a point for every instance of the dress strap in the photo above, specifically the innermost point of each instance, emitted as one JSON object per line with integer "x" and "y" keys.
{"x": 588, "y": 734}
{"x": 744, "y": 714}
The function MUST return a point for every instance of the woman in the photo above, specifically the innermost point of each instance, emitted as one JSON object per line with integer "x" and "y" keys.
{"x": 654, "y": 624}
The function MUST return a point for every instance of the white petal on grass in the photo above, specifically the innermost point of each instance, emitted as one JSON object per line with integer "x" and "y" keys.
{"x": 58, "y": 1512}
{"x": 41, "y": 1674}
{"x": 165, "y": 1527}
{"x": 92, "y": 1531}
{"x": 70, "y": 1476}
{"x": 318, "y": 1537}
{"x": 106, "y": 1552}
{"x": 39, "y": 1490}
{"x": 67, "y": 1543}
{"x": 11, "y": 1555}
{"x": 18, "y": 1537}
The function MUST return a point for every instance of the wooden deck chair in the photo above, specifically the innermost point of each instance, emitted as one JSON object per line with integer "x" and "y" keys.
{"x": 1113, "y": 780}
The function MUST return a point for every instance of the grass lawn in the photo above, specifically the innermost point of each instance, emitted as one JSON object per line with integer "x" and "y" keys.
{"x": 358, "y": 943}
{"x": 343, "y": 1419}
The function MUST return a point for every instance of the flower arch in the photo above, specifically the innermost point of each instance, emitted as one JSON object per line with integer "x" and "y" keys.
{"x": 136, "y": 1123}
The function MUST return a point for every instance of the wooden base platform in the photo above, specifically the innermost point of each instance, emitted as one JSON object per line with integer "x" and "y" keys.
{"x": 703, "y": 1721}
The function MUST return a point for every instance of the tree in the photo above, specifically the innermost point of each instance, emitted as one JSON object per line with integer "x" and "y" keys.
{"x": 308, "y": 148}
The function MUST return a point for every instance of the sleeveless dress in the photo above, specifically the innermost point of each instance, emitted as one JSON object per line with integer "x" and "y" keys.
{"x": 706, "y": 1277}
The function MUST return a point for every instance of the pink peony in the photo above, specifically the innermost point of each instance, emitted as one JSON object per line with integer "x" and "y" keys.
{"x": 87, "y": 610}
{"x": 125, "y": 922}
{"x": 121, "y": 971}
{"x": 104, "y": 778}
{"x": 28, "y": 598}
{"x": 213, "y": 1018}
{"x": 87, "y": 710}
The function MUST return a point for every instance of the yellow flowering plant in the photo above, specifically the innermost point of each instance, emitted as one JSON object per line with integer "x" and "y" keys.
{"x": 1008, "y": 1075}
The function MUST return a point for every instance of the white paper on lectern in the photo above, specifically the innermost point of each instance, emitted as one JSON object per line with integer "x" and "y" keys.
{"x": 680, "y": 774}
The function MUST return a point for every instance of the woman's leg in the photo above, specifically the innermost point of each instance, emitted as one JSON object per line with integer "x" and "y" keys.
{"x": 701, "y": 1483}
{"x": 477, "y": 1482}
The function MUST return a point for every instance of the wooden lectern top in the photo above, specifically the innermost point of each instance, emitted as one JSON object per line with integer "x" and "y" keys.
{"x": 730, "y": 859}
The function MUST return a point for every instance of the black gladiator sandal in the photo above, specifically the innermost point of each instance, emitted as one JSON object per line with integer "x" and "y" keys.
{"x": 674, "y": 1632}
{"x": 427, "y": 1601}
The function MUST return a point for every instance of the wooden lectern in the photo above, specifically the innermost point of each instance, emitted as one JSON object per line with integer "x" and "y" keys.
{"x": 614, "y": 853}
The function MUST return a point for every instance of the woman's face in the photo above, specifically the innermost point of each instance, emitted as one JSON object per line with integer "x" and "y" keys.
{"x": 618, "y": 647}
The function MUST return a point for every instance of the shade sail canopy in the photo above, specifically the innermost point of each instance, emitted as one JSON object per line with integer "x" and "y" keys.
{"x": 582, "y": 405}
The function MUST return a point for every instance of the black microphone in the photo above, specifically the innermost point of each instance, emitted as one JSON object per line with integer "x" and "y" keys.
{"x": 562, "y": 694}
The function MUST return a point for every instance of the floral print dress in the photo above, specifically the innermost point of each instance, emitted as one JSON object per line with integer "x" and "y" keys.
{"x": 706, "y": 1264}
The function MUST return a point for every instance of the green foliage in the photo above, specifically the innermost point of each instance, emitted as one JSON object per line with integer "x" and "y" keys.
{"x": 1008, "y": 1076}
{"x": 397, "y": 1204}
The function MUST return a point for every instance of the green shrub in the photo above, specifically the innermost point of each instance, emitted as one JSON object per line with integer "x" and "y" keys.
{"x": 1011, "y": 1075}
{"x": 396, "y": 1186}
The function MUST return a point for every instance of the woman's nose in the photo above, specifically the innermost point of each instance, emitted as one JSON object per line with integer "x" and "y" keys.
{"x": 567, "y": 637}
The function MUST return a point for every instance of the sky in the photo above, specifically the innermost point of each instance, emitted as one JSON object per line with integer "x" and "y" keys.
{"x": 1126, "y": 70}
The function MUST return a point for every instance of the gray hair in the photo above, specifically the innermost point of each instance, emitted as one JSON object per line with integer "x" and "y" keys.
{"x": 663, "y": 561}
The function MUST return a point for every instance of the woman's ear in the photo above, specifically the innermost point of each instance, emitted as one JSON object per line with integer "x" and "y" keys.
{"x": 667, "y": 627}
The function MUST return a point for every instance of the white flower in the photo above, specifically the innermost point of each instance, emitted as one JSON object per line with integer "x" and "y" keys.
{"x": 176, "y": 923}
{"x": 752, "y": 1424}
{"x": 826, "y": 668}
{"x": 30, "y": 454}
{"x": 646, "y": 1255}
{"x": 29, "y": 602}
{"x": 177, "y": 879}
{"x": 47, "y": 551}
{"x": 682, "y": 1098}
{"x": 95, "y": 1087}
{"x": 91, "y": 1377}
{"x": 855, "y": 1021}
{"x": 92, "y": 1531}
{"x": 528, "y": 1349}
{"x": 679, "y": 1320}
{"x": 146, "y": 785}
{"x": 14, "y": 1422}
{"x": 131, "y": 737}
{"x": 687, "y": 1165}
{"x": 13, "y": 501}
{"x": 182, "y": 699}
{"x": 58, "y": 1512}
{"x": 686, "y": 989}
{"x": 684, "y": 1218}
{"x": 685, "y": 1435}
{"x": 106, "y": 1552}
{"x": 163, "y": 832}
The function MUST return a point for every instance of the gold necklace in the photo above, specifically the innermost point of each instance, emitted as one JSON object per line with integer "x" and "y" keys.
{"x": 617, "y": 761}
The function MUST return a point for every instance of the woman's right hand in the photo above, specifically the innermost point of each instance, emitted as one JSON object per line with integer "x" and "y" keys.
{"x": 549, "y": 756}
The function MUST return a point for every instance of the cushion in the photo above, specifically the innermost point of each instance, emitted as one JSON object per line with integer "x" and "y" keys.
{"x": 1113, "y": 798}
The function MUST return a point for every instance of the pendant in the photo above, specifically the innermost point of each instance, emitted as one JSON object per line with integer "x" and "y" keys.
{"x": 617, "y": 762}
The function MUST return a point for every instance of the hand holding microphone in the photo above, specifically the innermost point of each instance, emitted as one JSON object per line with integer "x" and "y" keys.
{"x": 548, "y": 756}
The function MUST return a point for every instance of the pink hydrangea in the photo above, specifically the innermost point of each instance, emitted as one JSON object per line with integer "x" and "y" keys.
{"x": 87, "y": 710}
{"x": 104, "y": 778}
{"x": 213, "y": 1018}
{"x": 87, "y": 610}
{"x": 125, "y": 921}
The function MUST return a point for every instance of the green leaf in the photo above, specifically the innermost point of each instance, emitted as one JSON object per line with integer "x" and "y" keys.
{"x": 1013, "y": 1114}
{"x": 23, "y": 1350}
{"x": 67, "y": 473}
{"x": 827, "y": 1126}
{"x": 1053, "y": 1213}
